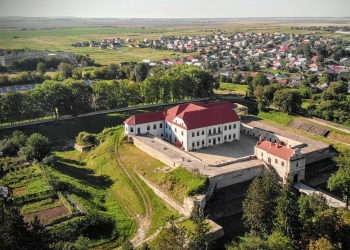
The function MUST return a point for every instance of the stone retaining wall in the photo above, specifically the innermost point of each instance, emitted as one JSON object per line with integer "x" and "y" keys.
{"x": 234, "y": 177}
{"x": 154, "y": 153}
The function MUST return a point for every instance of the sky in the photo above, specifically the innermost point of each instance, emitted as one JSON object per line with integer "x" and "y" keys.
{"x": 175, "y": 8}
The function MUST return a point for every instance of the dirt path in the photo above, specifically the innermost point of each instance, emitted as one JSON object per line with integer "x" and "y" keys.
{"x": 144, "y": 221}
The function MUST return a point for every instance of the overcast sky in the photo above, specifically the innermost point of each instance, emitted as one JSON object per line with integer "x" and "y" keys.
{"x": 176, "y": 8}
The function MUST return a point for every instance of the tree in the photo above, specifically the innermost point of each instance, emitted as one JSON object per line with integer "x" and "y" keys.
{"x": 54, "y": 97}
{"x": 37, "y": 147}
{"x": 13, "y": 145}
{"x": 13, "y": 230}
{"x": 260, "y": 79}
{"x": 288, "y": 100}
{"x": 172, "y": 237}
{"x": 141, "y": 71}
{"x": 322, "y": 244}
{"x": 40, "y": 237}
{"x": 260, "y": 201}
{"x": 310, "y": 206}
{"x": 339, "y": 87}
{"x": 12, "y": 106}
{"x": 341, "y": 179}
{"x": 287, "y": 213}
{"x": 41, "y": 68}
{"x": 80, "y": 97}
{"x": 237, "y": 78}
{"x": 198, "y": 239}
{"x": 66, "y": 70}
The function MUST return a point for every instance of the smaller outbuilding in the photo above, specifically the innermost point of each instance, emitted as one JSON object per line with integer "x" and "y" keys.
{"x": 287, "y": 162}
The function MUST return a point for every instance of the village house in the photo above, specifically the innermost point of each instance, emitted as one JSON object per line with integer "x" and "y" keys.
{"x": 189, "y": 126}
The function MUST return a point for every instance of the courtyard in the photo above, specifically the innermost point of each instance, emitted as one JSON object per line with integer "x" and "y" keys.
{"x": 229, "y": 151}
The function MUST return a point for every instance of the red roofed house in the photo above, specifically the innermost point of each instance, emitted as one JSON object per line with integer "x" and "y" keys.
{"x": 288, "y": 162}
{"x": 190, "y": 126}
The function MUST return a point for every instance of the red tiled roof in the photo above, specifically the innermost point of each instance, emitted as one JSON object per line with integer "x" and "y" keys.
{"x": 145, "y": 118}
{"x": 282, "y": 81}
{"x": 205, "y": 117}
{"x": 276, "y": 149}
{"x": 194, "y": 115}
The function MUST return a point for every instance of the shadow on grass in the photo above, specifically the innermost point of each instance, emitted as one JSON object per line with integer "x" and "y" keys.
{"x": 83, "y": 174}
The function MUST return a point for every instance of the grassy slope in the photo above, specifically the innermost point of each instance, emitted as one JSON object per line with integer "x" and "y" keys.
{"x": 100, "y": 184}
{"x": 276, "y": 116}
{"x": 177, "y": 183}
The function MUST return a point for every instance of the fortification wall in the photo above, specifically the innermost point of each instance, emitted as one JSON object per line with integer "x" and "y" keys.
{"x": 154, "y": 153}
{"x": 234, "y": 177}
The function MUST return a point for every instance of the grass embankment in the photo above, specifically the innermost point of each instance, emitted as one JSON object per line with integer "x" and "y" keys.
{"x": 231, "y": 88}
{"x": 178, "y": 183}
{"x": 99, "y": 183}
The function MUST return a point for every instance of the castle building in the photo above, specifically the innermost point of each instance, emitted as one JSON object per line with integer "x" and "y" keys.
{"x": 190, "y": 126}
{"x": 287, "y": 162}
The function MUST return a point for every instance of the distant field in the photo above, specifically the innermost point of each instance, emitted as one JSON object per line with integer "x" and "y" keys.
{"x": 61, "y": 39}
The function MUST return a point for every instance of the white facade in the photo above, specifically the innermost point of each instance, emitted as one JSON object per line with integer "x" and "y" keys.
{"x": 291, "y": 167}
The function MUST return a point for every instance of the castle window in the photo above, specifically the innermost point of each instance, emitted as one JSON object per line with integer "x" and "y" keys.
{"x": 229, "y": 137}
{"x": 166, "y": 125}
{"x": 282, "y": 163}
{"x": 175, "y": 129}
{"x": 209, "y": 140}
{"x": 276, "y": 161}
{"x": 225, "y": 128}
{"x": 192, "y": 144}
{"x": 202, "y": 132}
{"x": 131, "y": 130}
{"x": 154, "y": 126}
{"x": 182, "y": 133}
{"x": 148, "y": 127}
{"x": 229, "y": 127}
{"x": 297, "y": 164}
{"x": 234, "y": 125}
{"x": 160, "y": 125}
{"x": 197, "y": 143}
{"x": 192, "y": 134}
{"x": 197, "y": 133}
{"x": 203, "y": 142}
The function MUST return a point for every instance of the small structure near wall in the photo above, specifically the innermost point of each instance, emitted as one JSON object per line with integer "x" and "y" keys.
{"x": 287, "y": 162}
{"x": 82, "y": 148}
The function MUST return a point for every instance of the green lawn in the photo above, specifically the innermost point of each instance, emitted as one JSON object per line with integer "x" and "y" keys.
{"x": 231, "y": 88}
{"x": 276, "y": 116}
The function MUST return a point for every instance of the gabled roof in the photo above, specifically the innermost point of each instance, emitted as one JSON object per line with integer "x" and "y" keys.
{"x": 276, "y": 149}
{"x": 194, "y": 115}
{"x": 208, "y": 117}
{"x": 145, "y": 118}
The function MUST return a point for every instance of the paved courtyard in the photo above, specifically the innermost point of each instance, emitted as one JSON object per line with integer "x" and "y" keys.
{"x": 228, "y": 151}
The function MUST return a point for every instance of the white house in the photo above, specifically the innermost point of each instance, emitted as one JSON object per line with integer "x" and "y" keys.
{"x": 190, "y": 126}
{"x": 288, "y": 162}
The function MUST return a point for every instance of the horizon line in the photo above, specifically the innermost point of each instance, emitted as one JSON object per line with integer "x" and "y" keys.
{"x": 283, "y": 17}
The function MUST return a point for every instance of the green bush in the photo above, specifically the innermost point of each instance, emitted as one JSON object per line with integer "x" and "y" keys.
{"x": 86, "y": 139}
